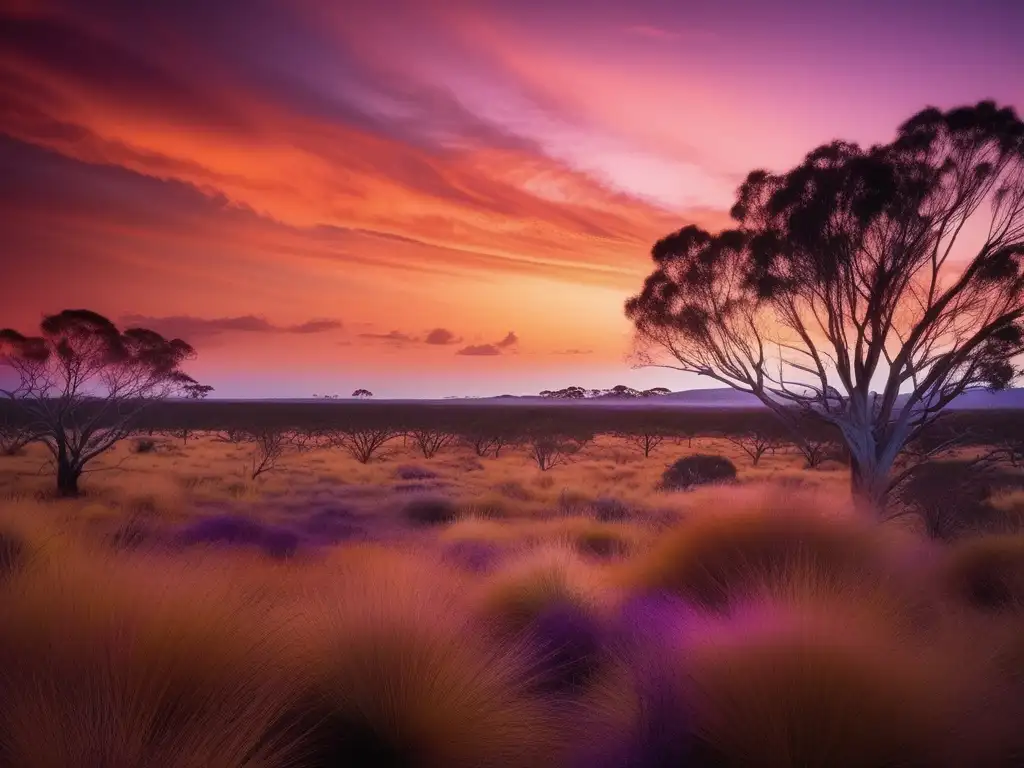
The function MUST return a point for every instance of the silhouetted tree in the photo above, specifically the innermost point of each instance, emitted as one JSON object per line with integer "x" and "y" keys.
{"x": 192, "y": 392}
{"x": 835, "y": 296}
{"x": 363, "y": 443}
{"x": 645, "y": 441}
{"x": 15, "y": 432}
{"x": 816, "y": 452}
{"x": 83, "y": 383}
{"x": 755, "y": 443}
{"x": 656, "y": 392}
{"x": 430, "y": 441}
{"x": 269, "y": 446}
{"x": 362, "y": 393}
{"x": 549, "y": 451}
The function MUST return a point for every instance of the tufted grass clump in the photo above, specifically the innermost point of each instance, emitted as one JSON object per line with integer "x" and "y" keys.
{"x": 403, "y": 677}
{"x": 556, "y": 601}
{"x": 774, "y": 546}
{"x": 104, "y": 664}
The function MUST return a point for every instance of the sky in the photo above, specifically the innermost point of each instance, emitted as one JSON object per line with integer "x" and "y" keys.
{"x": 419, "y": 198}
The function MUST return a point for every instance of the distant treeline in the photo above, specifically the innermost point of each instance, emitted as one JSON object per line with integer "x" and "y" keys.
{"x": 964, "y": 427}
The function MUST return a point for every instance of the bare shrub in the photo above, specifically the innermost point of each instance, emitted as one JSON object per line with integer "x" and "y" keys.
{"x": 646, "y": 441}
{"x": 754, "y": 443}
{"x": 144, "y": 445}
{"x": 431, "y": 441}
{"x": 549, "y": 451}
{"x": 363, "y": 444}
{"x": 269, "y": 446}
{"x": 816, "y": 452}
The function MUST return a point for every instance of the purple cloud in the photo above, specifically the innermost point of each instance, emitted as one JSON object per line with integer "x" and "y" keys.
{"x": 509, "y": 341}
{"x": 479, "y": 350}
{"x": 189, "y": 327}
{"x": 394, "y": 337}
{"x": 441, "y": 336}
{"x": 492, "y": 349}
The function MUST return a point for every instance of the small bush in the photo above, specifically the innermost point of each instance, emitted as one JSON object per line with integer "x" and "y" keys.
{"x": 987, "y": 572}
{"x": 240, "y": 531}
{"x": 699, "y": 469}
{"x": 412, "y": 472}
{"x": 609, "y": 510}
{"x": 144, "y": 445}
{"x": 430, "y": 510}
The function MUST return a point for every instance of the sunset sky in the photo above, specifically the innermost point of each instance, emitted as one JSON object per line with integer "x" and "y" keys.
{"x": 426, "y": 197}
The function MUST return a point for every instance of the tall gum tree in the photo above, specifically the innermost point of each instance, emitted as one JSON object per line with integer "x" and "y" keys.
{"x": 866, "y": 288}
{"x": 82, "y": 383}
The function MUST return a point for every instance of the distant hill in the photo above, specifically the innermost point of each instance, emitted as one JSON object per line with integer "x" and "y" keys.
{"x": 1008, "y": 398}
{"x": 730, "y": 398}
{"x": 691, "y": 398}
{"x": 712, "y": 398}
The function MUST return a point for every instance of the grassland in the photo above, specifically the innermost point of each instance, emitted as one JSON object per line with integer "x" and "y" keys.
{"x": 469, "y": 610}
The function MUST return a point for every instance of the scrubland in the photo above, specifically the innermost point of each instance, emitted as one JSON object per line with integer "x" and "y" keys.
{"x": 476, "y": 611}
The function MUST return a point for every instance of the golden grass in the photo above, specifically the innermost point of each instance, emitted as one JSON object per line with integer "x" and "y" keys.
{"x": 104, "y": 664}
{"x": 818, "y": 639}
{"x": 797, "y": 693}
{"x": 549, "y": 575}
{"x": 403, "y": 677}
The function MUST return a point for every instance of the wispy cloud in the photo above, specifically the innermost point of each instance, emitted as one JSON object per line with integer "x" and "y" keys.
{"x": 438, "y": 337}
{"x": 393, "y": 337}
{"x": 652, "y": 32}
{"x": 188, "y": 327}
{"x": 574, "y": 352}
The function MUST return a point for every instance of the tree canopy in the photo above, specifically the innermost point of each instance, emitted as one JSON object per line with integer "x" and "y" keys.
{"x": 867, "y": 287}
{"x": 82, "y": 382}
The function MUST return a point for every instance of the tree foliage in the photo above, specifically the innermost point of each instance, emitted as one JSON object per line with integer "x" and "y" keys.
{"x": 82, "y": 384}
{"x": 865, "y": 287}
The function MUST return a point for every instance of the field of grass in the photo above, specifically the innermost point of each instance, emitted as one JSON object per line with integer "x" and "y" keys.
{"x": 477, "y": 611}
